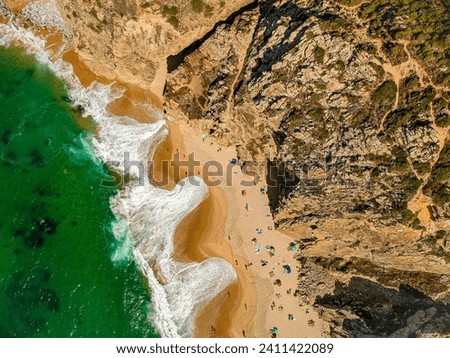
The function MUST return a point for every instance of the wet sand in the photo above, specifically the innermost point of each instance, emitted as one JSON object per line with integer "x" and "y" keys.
{"x": 256, "y": 304}
{"x": 206, "y": 232}
{"x": 132, "y": 103}
{"x": 201, "y": 235}
{"x": 162, "y": 172}
{"x": 198, "y": 237}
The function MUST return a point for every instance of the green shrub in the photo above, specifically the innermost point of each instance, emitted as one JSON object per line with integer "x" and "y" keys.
{"x": 319, "y": 54}
{"x": 412, "y": 107}
{"x": 197, "y": 5}
{"x": 409, "y": 84}
{"x": 419, "y": 101}
{"x": 208, "y": 10}
{"x": 310, "y": 35}
{"x": 440, "y": 252}
{"x": 379, "y": 70}
{"x": 440, "y": 234}
{"x": 170, "y": 13}
{"x": 338, "y": 65}
{"x": 385, "y": 93}
{"x": 441, "y": 195}
{"x": 415, "y": 224}
{"x": 438, "y": 184}
{"x": 425, "y": 23}
{"x": 93, "y": 13}
{"x": 368, "y": 47}
{"x": 440, "y": 107}
{"x": 395, "y": 52}
{"x": 335, "y": 24}
{"x": 422, "y": 168}
{"x": 443, "y": 120}
{"x": 383, "y": 99}
{"x": 317, "y": 114}
{"x": 409, "y": 183}
{"x": 173, "y": 20}
{"x": 400, "y": 160}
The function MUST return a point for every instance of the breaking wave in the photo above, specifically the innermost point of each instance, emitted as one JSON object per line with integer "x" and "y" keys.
{"x": 147, "y": 216}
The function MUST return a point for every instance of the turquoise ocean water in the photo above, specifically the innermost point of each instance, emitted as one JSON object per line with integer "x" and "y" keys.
{"x": 57, "y": 275}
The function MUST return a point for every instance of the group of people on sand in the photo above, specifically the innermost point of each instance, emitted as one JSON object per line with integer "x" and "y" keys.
{"x": 277, "y": 282}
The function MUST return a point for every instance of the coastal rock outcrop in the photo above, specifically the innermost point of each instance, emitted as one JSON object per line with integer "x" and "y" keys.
{"x": 130, "y": 40}
{"x": 354, "y": 119}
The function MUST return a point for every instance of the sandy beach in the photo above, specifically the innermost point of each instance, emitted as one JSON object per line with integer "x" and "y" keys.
{"x": 223, "y": 227}
{"x": 202, "y": 234}
{"x": 254, "y": 304}
{"x": 234, "y": 223}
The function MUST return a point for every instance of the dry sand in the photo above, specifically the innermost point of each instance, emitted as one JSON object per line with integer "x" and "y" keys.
{"x": 222, "y": 227}
{"x": 16, "y": 6}
{"x": 247, "y": 311}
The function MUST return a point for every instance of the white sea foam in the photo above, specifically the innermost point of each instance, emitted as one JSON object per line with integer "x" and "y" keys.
{"x": 45, "y": 14}
{"x": 148, "y": 215}
{"x": 123, "y": 246}
{"x": 4, "y": 11}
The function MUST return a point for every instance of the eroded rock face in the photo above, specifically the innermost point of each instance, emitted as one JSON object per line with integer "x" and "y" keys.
{"x": 357, "y": 124}
{"x": 313, "y": 88}
{"x": 202, "y": 86}
{"x": 384, "y": 312}
{"x": 130, "y": 40}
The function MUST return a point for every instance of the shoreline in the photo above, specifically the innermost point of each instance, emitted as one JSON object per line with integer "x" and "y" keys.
{"x": 243, "y": 308}
{"x": 131, "y": 104}
{"x": 202, "y": 234}
{"x": 195, "y": 242}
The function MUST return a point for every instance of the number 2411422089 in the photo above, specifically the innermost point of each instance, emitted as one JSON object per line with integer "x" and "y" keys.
{"x": 298, "y": 348}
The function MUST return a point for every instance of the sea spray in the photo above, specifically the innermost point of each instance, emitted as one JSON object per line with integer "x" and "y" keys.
{"x": 45, "y": 14}
{"x": 56, "y": 274}
{"x": 122, "y": 249}
{"x": 152, "y": 214}
{"x": 4, "y": 11}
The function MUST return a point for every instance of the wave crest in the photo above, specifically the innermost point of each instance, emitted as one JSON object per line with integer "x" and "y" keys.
{"x": 151, "y": 214}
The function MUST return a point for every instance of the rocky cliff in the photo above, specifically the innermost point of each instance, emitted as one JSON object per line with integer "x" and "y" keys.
{"x": 131, "y": 40}
{"x": 347, "y": 102}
